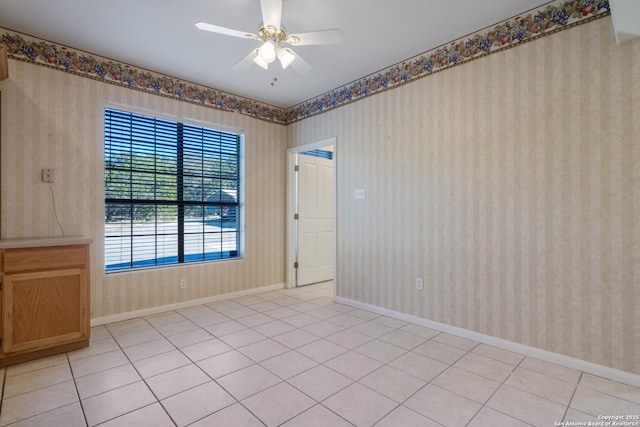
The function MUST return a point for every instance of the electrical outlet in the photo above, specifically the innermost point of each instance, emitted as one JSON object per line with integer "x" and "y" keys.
{"x": 360, "y": 194}
{"x": 419, "y": 283}
{"x": 183, "y": 283}
{"x": 48, "y": 175}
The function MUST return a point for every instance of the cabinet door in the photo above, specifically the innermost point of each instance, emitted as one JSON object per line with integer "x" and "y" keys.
{"x": 43, "y": 309}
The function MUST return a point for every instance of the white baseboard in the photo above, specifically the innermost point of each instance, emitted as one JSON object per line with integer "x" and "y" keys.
{"x": 179, "y": 305}
{"x": 548, "y": 356}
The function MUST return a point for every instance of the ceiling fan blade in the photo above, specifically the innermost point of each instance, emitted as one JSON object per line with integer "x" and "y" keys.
{"x": 299, "y": 64}
{"x": 226, "y": 31}
{"x": 271, "y": 13}
{"x": 247, "y": 61}
{"x": 334, "y": 36}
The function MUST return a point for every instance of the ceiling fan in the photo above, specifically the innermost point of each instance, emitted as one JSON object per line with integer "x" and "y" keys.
{"x": 273, "y": 36}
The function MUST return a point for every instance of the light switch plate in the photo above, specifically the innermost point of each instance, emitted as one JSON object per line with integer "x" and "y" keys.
{"x": 48, "y": 175}
{"x": 360, "y": 194}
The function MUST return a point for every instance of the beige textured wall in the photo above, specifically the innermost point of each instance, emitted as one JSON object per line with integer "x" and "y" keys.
{"x": 512, "y": 185}
{"x": 53, "y": 119}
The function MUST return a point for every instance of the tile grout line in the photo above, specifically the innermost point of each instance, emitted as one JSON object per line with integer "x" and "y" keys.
{"x": 141, "y": 378}
{"x": 450, "y": 366}
{"x": 166, "y": 337}
{"x": 358, "y": 381}
{"x": 192, "y": 362}
{"x": 494, "y": 393}
{"x": 286, "y": 381}
{"x": 254, "y": 363}
{"x": 75, "y": 386}
{"x": 133, "y": 366}
{"x": 398, "y": 404}
{"x": 42, "y": 388}
{"x": 575, "y": 390}
{"x": 212, "y": 379}
{"x": 317, "y": 338}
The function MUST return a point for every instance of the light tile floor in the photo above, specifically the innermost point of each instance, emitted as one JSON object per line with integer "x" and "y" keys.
{"x": 295, "y": 358}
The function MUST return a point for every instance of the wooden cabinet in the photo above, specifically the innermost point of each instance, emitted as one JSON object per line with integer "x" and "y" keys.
{"x": 44, "y": 300}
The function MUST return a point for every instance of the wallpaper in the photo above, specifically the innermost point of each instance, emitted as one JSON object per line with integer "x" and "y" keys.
{"x": 554, "y": 16}
{"x": 54, "y": 120}
{"x": 508, "y": 183}
{"x": 511, "y": 185}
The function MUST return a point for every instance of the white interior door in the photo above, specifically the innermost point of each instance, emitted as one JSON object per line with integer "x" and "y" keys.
{"x": 315, "y": 220}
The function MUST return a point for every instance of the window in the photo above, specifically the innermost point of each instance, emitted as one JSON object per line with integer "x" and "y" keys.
{"x": 172, "y": 192}
{"x": 321, "y": 154}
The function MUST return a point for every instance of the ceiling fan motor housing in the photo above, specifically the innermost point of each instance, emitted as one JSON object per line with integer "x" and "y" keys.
{"x": 272, "y": 34}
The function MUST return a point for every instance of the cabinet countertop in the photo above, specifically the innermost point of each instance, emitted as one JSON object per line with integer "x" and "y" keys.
{"x": 39, "y": 242}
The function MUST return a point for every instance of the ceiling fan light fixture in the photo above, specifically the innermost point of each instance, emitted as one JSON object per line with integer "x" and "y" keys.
{"x": 267, "y": 52}
{"x": 286, "y": 57}
{"x": 261, "y": 62}
{"x": 272, "y": 35}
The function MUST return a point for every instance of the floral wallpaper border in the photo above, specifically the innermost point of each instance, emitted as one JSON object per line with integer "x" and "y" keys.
{"x": 26, "y": 48}
{"x": 548, "y": 19}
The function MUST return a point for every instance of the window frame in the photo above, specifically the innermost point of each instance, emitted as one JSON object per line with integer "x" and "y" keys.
{"x": 240, "y": 216}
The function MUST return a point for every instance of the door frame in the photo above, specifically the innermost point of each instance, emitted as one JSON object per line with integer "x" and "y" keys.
{"x": 291, "y": 207}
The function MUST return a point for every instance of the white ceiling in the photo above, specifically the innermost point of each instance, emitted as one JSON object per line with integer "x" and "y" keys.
{"x": 160, "y": 35}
